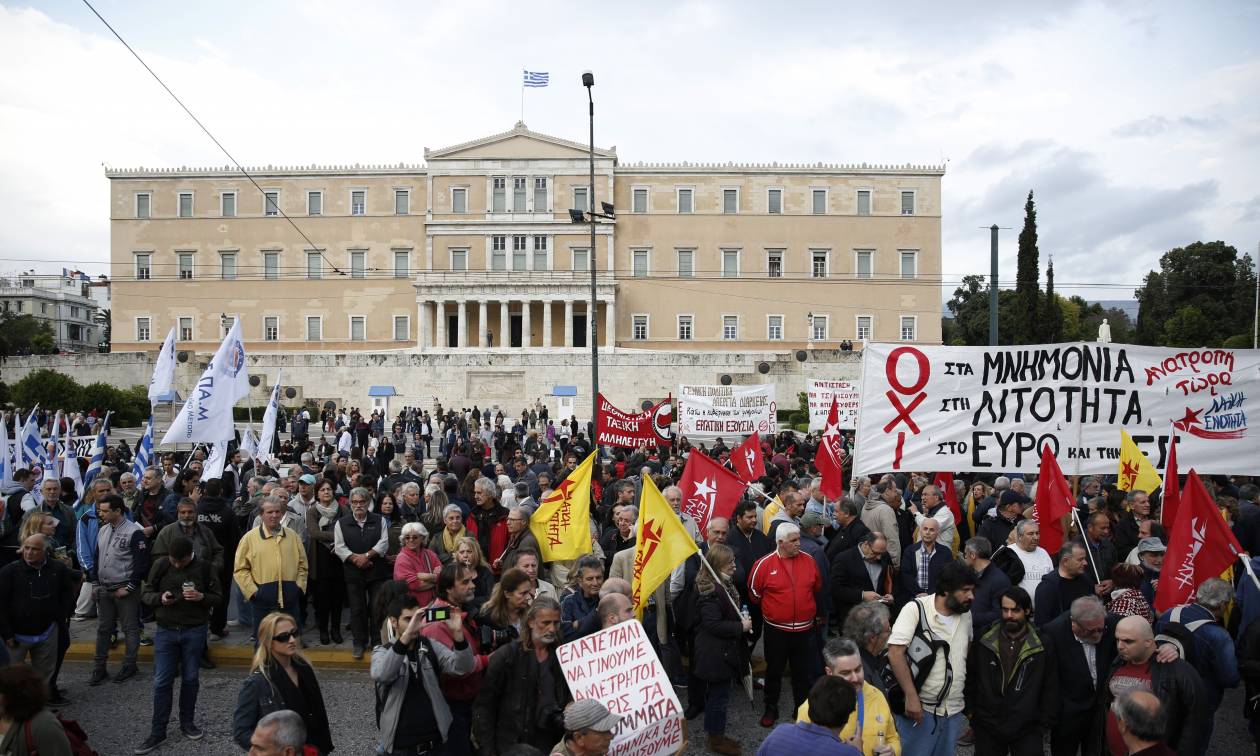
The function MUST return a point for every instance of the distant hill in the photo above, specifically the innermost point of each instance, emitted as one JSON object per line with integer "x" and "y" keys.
{"x": 1130, "y": 306}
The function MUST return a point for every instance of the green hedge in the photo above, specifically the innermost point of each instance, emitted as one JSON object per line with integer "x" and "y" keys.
{"x": 53, "y": 390}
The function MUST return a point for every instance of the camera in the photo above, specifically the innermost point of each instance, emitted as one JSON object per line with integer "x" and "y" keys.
{"x": 492, "y": 637}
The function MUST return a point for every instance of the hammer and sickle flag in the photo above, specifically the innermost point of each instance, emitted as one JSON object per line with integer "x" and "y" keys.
{"x": 562, "y": 522}
{"x": 661, "y": 544}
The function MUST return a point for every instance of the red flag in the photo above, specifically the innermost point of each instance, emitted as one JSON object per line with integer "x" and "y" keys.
{"x": 945, "y": 482}
{"x": 829, "y": 459}
{"x": 709, "y": 490}
{"x": 1054, "y": 499}
{"x": 1171, "y": 499}
{"x": 1201, "y": 546}
{"x": 747, "y": 459}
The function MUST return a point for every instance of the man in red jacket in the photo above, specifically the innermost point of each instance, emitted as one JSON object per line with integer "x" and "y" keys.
{"x": 783, "y": 583}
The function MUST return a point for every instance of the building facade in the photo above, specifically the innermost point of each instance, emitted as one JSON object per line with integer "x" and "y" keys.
{"x": 476, "y": 250}
{"x": 68, "y": 304}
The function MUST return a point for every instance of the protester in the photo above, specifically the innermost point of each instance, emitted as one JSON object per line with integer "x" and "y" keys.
{"x": 468, "y": 553}
{"x": 932, "y": 506}
{"x": 416, "y": 564}
{"x": 280, "y": 733}
{"x": 991, "y": 582}
{"x": 488, "y": 521}
{"x": 454, "y": 591}
{"x": 578, "y": 613}
{"x": 718, "y": 653}
{"x": 452, "y": 530}
{"x": 870, "y": 728}
{"x": 1059, "y": 589}
{"x": 27, "y": 728}
{"x": 879, "y": 514}
{"x": 862, "y": 574}
{"x": 281, "y": 678}
{"x": 271, "y": 565}
{"x": 120, "y": 565}
{"x": 588, "y": 729}
{"x": 326, "y": 577}
{"x": 1126, "y": 593}
{"x": 922, "y": 562}
{"x": 528, "y": 561}
{"x": 36, "y": 592}
{"x": 361, "y": 541}
{"x": 1141, "y": 721}
{"x": 502, "y": 616}
{"x": 831, "y": 703}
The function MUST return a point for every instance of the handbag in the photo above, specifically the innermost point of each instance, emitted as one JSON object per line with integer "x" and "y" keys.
{"x": 923, "y": 652}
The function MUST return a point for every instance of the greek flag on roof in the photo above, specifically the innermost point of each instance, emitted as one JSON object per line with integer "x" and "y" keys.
{"x": 536, "y": 78}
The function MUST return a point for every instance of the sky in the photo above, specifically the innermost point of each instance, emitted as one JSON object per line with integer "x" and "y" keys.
{"x": 1137, "y": 124}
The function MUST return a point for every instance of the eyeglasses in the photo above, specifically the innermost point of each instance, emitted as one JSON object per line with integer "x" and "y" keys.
{"x": 412, "y": 537}
{"x": 285, "y": 637}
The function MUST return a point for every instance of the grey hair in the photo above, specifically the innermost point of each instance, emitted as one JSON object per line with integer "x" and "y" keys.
{"x": 290, "y": 730}
{"x": 1145, "y": 724}
{"x": 865, "y": 621}
{"x": 979, "y": 547}
{"x": 433, "y": 488}
{"x": 1215, "y": 594}
{"x": 786, "y": 530}
{"x": 632, "y": 509}
{"x": 308, "y": 457}
{"x": 1086, "y": 608}
{"x": 271, "y": 499}
{"x": 487, "y": 486}
{"x": 669, "y": 489}
{"x": 1021, "y": 526}
{"x": 414, "y": 527}
{"x": 395, "y": 465}
{"x": 409, "y": 486}
{"x": 126, "y": 476}
{"x": 362, "y": 493}
{"x": 931, "y": 487}
{"x": 1130, "y": 496}
{"x": 452, "y": 508}
{"x": 816, "y": 483}
{"x": 1001, "y": 483}
{"x": 847, "y": 505}
{"x": 838, "y": 648}
{"x": 503, "y": 482}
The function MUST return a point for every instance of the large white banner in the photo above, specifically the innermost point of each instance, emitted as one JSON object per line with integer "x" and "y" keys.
{"x": 991, "y": 409}
{"x": 848, "y": 399}
{"x": 726, "y": 410}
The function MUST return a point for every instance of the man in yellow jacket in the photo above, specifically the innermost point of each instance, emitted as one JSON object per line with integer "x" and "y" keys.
{"x": 871, "y": 727}
{"x": 271, "y": 566}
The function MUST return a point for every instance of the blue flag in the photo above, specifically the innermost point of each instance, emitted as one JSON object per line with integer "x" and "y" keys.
{"x": 144, "y": 452}
{"x": 98, "y": 454}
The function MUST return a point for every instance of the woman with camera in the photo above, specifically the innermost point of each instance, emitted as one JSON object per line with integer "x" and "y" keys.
{"x": 501, "y": 617}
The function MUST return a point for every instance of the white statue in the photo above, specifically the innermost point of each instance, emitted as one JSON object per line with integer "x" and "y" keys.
{"x": 1104, "y": 333}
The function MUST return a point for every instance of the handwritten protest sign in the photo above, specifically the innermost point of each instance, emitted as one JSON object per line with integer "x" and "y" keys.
{"x": 650, "y": 427}
{"x": 618, "y": 668}
{"x": 82, "y": 446}
{"x": 848, "y": 399}
{"x": 725, "y": 410}
{"x": 991, "y": 409}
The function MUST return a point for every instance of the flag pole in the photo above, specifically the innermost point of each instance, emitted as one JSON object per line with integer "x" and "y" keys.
{"x": 1085, "y": 540}
{"x": 717, "y": 581}
{"x": 1246, "y": 565}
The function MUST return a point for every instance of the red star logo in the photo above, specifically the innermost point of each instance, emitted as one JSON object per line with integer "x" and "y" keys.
{"x": 1128, "y": 474}
{"x": 1188, "y": 420}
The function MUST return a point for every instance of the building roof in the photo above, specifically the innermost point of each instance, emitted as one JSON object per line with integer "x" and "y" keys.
{"x": 564, "y": 390}
{"x": 382, "y": 391}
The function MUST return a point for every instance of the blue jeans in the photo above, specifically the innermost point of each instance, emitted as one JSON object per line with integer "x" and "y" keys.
{"x": 244, "y": 611}
{"x": 715, "y": 700}
{"x": 172, "y": 649}
{"x": 934, "y": 736}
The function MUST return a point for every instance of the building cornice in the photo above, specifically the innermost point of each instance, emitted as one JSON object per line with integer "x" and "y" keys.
{"x": 520, "y": 129}
{"x": 271, "y": 171}
{"x": 905, "y": 169}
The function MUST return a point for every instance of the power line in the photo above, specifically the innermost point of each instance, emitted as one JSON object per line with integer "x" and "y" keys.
{"x": 217, "y": 143}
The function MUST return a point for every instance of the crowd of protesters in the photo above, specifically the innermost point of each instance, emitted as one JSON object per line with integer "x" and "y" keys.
{"x": 900, "y": 626}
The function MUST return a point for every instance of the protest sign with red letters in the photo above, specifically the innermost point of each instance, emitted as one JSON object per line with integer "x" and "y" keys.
{"x": 848, "y": 396}
{"x": 647, "y": 428}
{"x": 708, "y": 411}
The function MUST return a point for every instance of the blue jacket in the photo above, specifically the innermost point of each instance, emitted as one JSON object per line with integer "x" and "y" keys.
{"x": 910, "y": 569}
{"x": 85, "y": 539}
{"x": 577, "y": 608}
{"x": 803, "y": 737}
{"x": 1215, "y": 659}
{"x": 817, "y": 549}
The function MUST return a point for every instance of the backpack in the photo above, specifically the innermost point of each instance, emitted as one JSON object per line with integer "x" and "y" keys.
{"x": 923, "y": 652}
{"x": 74, "y": 733}
{"x": 1192, "y": 649}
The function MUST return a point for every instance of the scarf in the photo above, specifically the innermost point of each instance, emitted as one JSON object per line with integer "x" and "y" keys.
{"x": 327, "y": 514}
{"x": 448, "y": 540}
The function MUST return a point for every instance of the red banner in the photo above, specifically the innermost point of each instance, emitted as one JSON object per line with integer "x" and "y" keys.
{"x": 647, "y": 428}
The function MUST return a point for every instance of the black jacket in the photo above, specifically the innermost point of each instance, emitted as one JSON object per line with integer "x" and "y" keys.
{"x": 846, "y": 537}
{"x": 510, "y": 708}
{"x": 1010, "y": 702}
{"x": 1124, "y": 534}
{"x": 1077, "y": 691}
{"x": 260, "y": 696}
{"x": 996, "y": 529}
{"x": 32, "y": 598}
{"x": 717, "y": 652}
{"x": 216, "y": 514}
{"x": 909, "y": 584}
{"x": 986, "y": 605}
{"x": 849, "y": 578}
{"x": 1180, "y": 690}
{"x": 748, "y": 549}
{"x": 1055, "y": 595}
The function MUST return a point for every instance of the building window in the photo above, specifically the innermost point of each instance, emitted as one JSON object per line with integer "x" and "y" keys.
{"x": 185, "y": 329}
{"x": 540, "y": 253}
{"x": 358, "y": 328}
{"x": 686, "y": 263}
{"x": 579, "y": 198}
{"x": 819, "y": 201}
{"x": 271, "y": 265}
{"x": 459, "y": 259}
{"x": 639, "y": 263}
{"x": 459, "y": 200}
{"x": 402, "y": 263}
{"x": 227, "y": 265}
{"x": 907, "y": 202}
{"x": 684, "y": 327}
{"x": 908, "y": 327}
{"x": 144, "y": 203}
{"x": 730, "y": 201}
{"x": 402, "y": 201}
{"x": 74, "y": 311}
{"x": 358, "y": 202}
{"x": 518, "y": 194}
{"x": 271, "y": 203}
{"x": 581, "y": 259}
{"x": 540, "y": 194}
{"x": 909, "y": 263}
{"x": 185, "y": 204}
{"x": 864, "y": 263}
{"x": 640, "y": 200}
{"x": 402, "y": 328}
{"x": 774, "y": 327}
{"x": 314, "y": 265}
{"x": 519, "y": 246}
{"x": 314, "y": 328}
{"x": 358, "y": 263}
{"x": 185, "y": 264}
{"x": 227, "y": 204}
{"x": 499, "y": 194}
{"x": 686, "y": 200}
{"x": 730, "y": 327}
{"x": 774, "y": 201}
{"x": 818, "y": 263}
{"x": 730, "y": 263}
{"x": 774, "y": 263}
{"x": 864, "y": 201}
{"x": 639, "y": 328}
{"x": 314, "y": 203}
{"x": 227, "y": 322}
{"x": 818, "y": 328}
{"x": 271, "y": 328}
{"x": 498, "y": 253}
{"x": 864, "y": 325}
{"x": 143, "y": 270}
{"x": 142, "y": 329}
{"x": 43, "y": 307}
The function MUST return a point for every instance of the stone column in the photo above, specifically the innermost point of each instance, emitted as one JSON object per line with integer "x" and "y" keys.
{"x": 482, "y": 309}
{"x": 462, "y": 343}
{"x": 526, "y": 339}
{"x": 610, "y": 323}
{"x": 505, "y": 323}
{"x": 439, "y": 313}
{"x": 547, "y": 303}
{"x": 422, "y": 335}
{"x": 568, "y": 323}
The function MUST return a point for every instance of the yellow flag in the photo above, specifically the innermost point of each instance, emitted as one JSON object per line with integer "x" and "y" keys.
{"x": 1136, "y": 472}
{"x": 768, "y": 513}
{"x": 661, "y": 544}
{"x": 562, "y": 522}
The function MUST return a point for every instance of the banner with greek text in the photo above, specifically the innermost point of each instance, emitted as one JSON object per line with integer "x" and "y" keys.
{"x": 848, "y": 399}
{"x": 726, "y": 410}
{"x": 990, "y": 409}
{"x": 647, "y": 428}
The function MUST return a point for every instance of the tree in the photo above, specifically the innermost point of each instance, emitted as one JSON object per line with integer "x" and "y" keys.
{"x": 1052, "y": 315}
{"x": 24, "y": 334}
{"x": 1027, "y": 275}
{"x": 47, "y": 388}
{"x": 1189, "y": 327}
{"x": 104, "y": 321}
{"x": 1207, "y": 276}
{"x": 969, "y": 325}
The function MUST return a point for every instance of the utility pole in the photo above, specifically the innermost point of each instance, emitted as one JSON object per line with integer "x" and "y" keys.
{"x": 588, "y": 81}
{"x": 1255, "y": 321}
{"x": 993, "y": 285}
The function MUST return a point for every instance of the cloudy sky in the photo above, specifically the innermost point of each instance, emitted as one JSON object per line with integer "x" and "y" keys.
{"x": 1136, "y": 123}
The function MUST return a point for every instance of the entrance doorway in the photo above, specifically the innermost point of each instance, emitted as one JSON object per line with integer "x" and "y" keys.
{"x": 515, "y": 331}
{"x": 452, "y": 331}
{"x": 579, "y": 330}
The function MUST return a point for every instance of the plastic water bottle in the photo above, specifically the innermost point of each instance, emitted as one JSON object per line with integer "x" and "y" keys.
{"x": 744, "y": 613}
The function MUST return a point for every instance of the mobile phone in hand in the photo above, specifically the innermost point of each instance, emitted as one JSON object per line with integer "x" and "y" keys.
{"x": 437, "y": 614}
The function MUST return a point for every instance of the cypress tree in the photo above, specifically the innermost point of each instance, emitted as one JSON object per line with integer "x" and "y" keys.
{"x": 1027, "y": 287}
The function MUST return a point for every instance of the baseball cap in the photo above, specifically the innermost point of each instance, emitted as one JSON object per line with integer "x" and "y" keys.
{"x": 308, "y": 479}
{"x": 1151, "y": 544}
{"x": 812, "y": 519}
{"x": 589, "y": 714}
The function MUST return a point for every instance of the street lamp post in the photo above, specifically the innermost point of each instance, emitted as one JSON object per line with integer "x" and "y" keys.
{"x": 588, "y": 81}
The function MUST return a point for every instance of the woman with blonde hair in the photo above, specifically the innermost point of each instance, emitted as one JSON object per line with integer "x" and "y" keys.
{"x": 281, "y": 678}
{"x": 433, "y": 513}
{"x": 42, "y": 523}
{"x": 468, "y": 553}
{"x": 718, "y": 649}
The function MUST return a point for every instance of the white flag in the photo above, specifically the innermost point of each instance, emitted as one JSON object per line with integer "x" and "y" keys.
{"x": 71, "y": 468}
{"x": 218, "y": 459}
{"x": 207, "y": 415}
{"x": 249, "y": 443}
{"x": 267, "y": 440}
{"x": 6, "y": 456}
{"x": 164, "y": 370}
{"x": 55, "y": 457}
